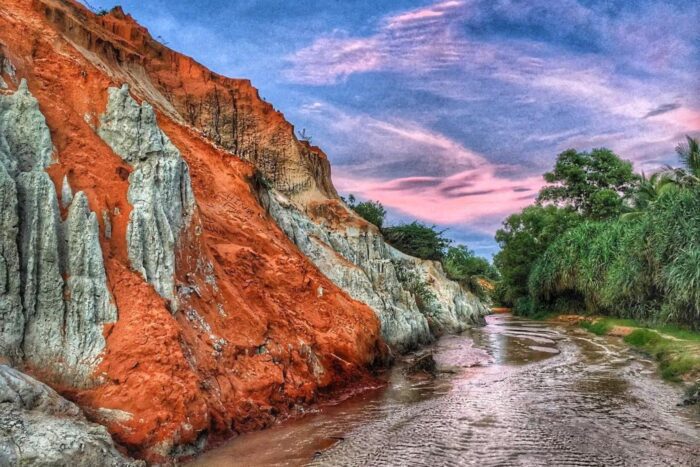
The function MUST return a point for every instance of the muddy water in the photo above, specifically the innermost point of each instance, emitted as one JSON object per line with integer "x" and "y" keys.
{"x": 514, "y": 392}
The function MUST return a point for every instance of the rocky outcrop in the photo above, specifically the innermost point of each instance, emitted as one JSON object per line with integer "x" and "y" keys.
{"x": 354, "y": 255}
{"x": 230, "y": 112}
{"x": 47, "y": 323}
{"x": 257, "y": 331}
{"x": 159, "y": 188}
{"x": 90, "y": 303}
{"x": 38, "y": 427}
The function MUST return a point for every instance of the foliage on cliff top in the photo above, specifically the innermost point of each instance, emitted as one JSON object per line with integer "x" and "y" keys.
{"x": 473, "y": 272}
{"x": 371, "y": 211}
{"x": 418, "y": 239}
{"x": 427, "y": 242}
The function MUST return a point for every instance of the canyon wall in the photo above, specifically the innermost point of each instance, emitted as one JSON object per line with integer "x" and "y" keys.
{"x": 172, "y": 258}
{"x": 353, "y": 254}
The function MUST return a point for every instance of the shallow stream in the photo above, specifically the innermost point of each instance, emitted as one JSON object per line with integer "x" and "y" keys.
{"x": 515, "y": 392}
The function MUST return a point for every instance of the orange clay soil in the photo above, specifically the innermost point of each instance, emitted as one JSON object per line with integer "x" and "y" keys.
{"x": 228, "y": 111}
{"x": 259, "y": 329}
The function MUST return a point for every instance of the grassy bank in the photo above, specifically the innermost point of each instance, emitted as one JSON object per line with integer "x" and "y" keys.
{"x": 676, "y": 349}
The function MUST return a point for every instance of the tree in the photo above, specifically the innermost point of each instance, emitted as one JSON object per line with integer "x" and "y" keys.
{"x": 416, "y": 239}
{"x": 643, "y": 195}
{"x": 689, "y": 153}
{"x": 460, "y": 263}
{"x": 523, "y": 239}
{"x": 591, "y": 183}
{"x": 688, "y": 175}
{"x": 648, "y": 190}
{"x": 371, "y": 211}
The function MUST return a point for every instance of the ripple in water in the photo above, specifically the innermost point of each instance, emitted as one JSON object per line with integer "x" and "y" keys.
{"x": 516, "y": 393}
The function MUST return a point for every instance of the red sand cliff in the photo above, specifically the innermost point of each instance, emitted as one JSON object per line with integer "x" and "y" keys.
{"x": 287, "y": 331}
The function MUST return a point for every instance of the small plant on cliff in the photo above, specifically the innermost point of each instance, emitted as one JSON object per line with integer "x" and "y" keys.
{"x": 371, "y": 211}
{"x": 417, "y": 239}
{"x": 304, "y": 136}
{"x": 426, "y": 299}
{"x": 473, "y": 272}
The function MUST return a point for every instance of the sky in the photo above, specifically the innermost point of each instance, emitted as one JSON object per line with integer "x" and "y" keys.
{"x": 449, "y": 111}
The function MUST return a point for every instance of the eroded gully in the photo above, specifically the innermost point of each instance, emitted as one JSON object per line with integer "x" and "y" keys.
{"x": 515, "y": 392}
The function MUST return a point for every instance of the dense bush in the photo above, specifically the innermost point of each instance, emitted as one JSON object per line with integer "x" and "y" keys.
{"x": 523, "y": 238}
{"x": 646, "y": 267}
{"x": 417, "y": 239}
{"x": 475, "y": 273}
{"x": 461, "y": 263}
{"x": 371, "y": 211}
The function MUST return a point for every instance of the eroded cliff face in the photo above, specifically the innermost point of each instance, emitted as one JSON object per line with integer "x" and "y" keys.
{"x": 354, "y": 255}
{"x": 139, "y": 273}
{"x": 48, "y": 322}
{"x": 231, "y": 114}
{"x": 160, "y": 191}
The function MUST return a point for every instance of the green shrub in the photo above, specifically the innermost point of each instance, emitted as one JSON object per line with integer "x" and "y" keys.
{"x": 460, "y": 263}
{"x": 676, "y": 366}
{"x": 472, "y": 272}
{"x": 523, "y": 307}
{"x": 417, "y": 239}
{"x": 646, "y": 267}
{"x": 642, "y": 338}
{"x": 371, "y": 211}
{"x": 599, "y": 327}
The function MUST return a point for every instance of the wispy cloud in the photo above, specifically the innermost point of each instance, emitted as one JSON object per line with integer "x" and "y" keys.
{"x": 449, "y": 184}
{"x": 439, "y": 110}
{"x": 417, "y": 40}
{"x": 615, "y": 76}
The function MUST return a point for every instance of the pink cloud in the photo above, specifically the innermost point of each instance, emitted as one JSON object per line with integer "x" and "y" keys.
{"x": 449, "y": 200}
{"x": 436, "y": 11}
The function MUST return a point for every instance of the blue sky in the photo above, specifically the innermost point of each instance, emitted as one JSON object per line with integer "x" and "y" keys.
{"x": 449, "y": 111}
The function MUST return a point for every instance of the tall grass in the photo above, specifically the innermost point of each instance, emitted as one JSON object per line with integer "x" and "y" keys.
{"x": 645, "y": 267}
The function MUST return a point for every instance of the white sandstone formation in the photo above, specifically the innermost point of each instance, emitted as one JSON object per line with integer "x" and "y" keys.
{"x": 46, "y": 322}
{"x": 159, "y": 188}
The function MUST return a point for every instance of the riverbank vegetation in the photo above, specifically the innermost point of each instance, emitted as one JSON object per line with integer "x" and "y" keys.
{"x": 677, "y": 349}
{"x": 604, "y": 240}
